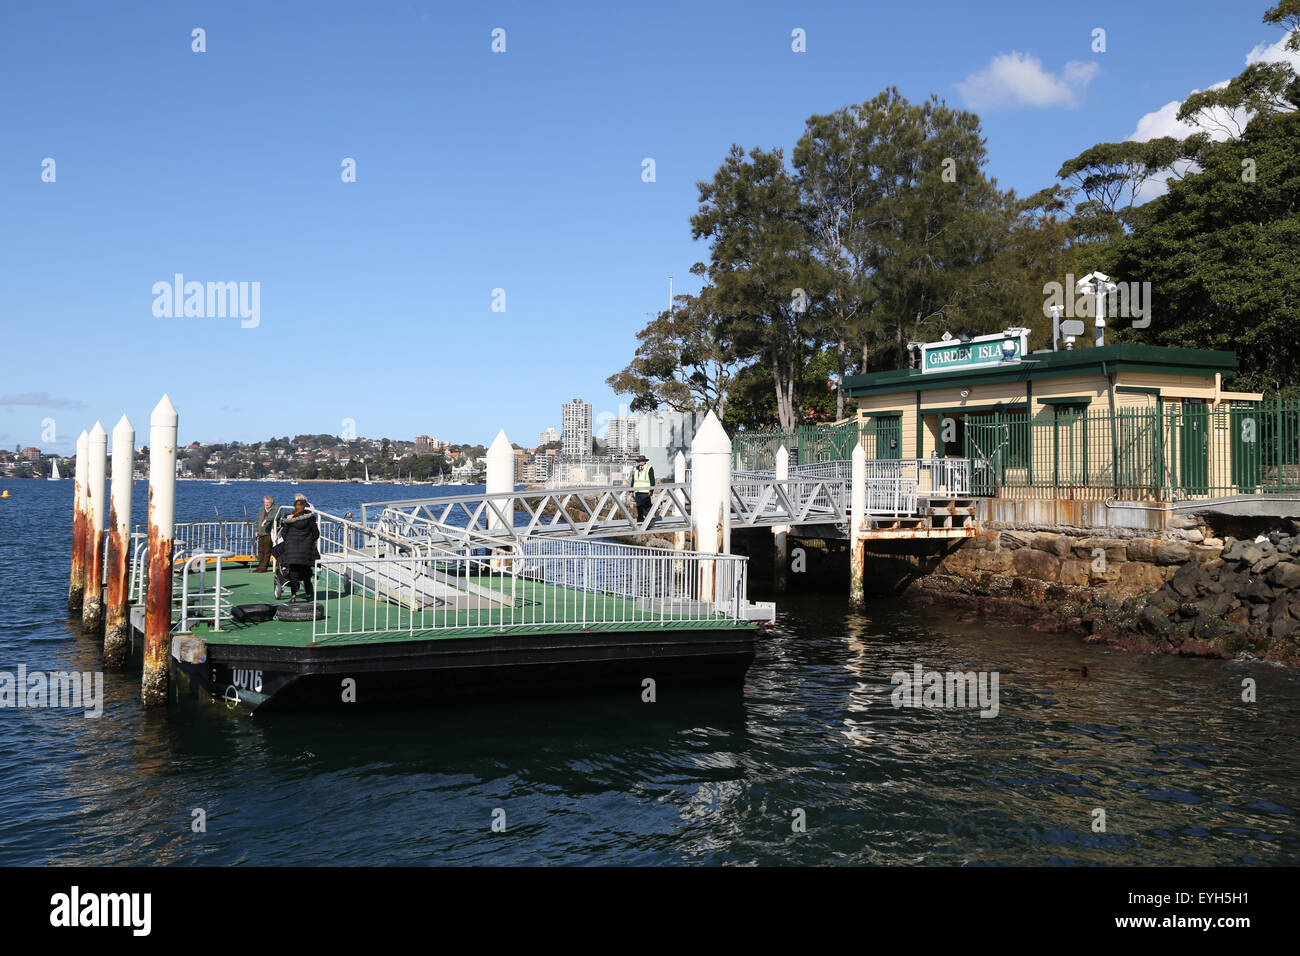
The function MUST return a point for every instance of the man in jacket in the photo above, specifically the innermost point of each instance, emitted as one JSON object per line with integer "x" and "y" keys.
{"x": 300, "y": 532}
{"x": 643, "y": 479}
{"x": 264, "y": 528}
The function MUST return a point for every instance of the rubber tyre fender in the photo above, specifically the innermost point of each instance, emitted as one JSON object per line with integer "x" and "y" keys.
{"x": 313, "y": 611}
{"x": 252, "y": 613}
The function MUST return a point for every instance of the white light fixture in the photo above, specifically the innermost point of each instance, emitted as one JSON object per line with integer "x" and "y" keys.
{"x": 1097, "y": 284}
{"x": 965, "y": 393}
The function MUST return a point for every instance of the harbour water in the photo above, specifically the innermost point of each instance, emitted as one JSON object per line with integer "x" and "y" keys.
{"x": 1186, "y": 772}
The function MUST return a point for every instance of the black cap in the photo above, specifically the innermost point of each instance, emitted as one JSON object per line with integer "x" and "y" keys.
{"x": 641, "y": 458}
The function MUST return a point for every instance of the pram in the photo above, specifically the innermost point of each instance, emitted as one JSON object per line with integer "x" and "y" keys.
{"x": 281, "y": 571}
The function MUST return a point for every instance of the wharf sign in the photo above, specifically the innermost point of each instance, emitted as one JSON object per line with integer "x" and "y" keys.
{"x": 983, "y": 351}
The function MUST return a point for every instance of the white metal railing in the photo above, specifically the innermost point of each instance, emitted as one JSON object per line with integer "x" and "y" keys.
{"x": 893, "y": 497}
{"x": 139, "y": 558}
{"x": 569, "y": 583}
{"x": 203, "y": 604}
{"x": 946, "y": 475}
{"x": 227, "y": 534}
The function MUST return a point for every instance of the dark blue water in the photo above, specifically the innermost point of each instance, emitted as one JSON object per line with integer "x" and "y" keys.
{"x": 1186, "y": 772}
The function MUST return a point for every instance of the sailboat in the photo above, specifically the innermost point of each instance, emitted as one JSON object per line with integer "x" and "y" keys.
{"x": 367, "y": 481}
{"x": 54, "y": 471}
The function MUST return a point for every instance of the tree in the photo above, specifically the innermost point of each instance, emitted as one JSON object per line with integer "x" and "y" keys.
{"x": 1222, "y": 253}
{"x": 1112, "y": 175}
{"x": 684, "y": 360}
{"x": 935, "y": 218}
{"x": 760, "y": 264}
{"x": 838, "y": 190}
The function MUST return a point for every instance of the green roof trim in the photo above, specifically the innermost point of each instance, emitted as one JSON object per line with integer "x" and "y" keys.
{"x": 1138, "y": 390}
{"x": 1068, "y": 400}
{"x": 1017, "y": 406}
{"x": 1085, "y": 361}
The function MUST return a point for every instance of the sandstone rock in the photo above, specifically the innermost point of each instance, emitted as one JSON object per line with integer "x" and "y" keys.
{"x": 1184, "y": 581}
{"x": 1055, "y": 544}
{"x": 1285, "y": 575}
{"x": 1181, "y": 521}
{"x": 1213, "y": 542}
{"x": 1153, "y": 621}
{"x": 1033, "y": 563}
{"x": 1233, "y": 550}
{"x": 1250, "y": 554}
{"x": 1223, "y": 603}
{"x": 1265, "y": 563}
{"x": 1283, "y": 627}
{"x": 1239, "y": 616}
{"x": 1114, "y": 548}
{"x": 993, "y": 561}
{"x": 1172, "y": 552}
{"x": 1013, "y": 540}
{"x": 1075, "y": 573}
{"x": 1257, "y": 591}
{"x": 1141, "y": 549}
{"x": 1195, "y": 536}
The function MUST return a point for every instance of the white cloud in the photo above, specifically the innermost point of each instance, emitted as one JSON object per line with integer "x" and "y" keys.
{"x": 1164, "y": 121}
{"x": 1018, "y": 79}
{"x": 1274, "y": 53}
{"x": 1219, "y": 122}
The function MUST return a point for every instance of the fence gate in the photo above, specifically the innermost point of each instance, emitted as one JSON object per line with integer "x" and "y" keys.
{"x": 1194, "y": 453}
{"x": 985, "y": 445}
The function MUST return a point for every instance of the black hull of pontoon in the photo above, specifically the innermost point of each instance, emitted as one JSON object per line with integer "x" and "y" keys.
{"x": 263, "y": 678}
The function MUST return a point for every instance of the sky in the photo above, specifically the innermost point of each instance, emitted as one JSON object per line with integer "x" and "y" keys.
{"x": 500, "y": 246}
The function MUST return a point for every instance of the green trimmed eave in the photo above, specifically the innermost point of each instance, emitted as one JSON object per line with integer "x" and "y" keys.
{"x": 1068, "y": 400}
{"x": 1074, "y": 362}
{"x": 1017, "y": 406}
{"x": 883, "y": 413}
{"x": 1138, "y": 390}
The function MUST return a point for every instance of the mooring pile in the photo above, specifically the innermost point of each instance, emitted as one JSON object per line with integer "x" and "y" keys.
{"x": 99, "y": 580}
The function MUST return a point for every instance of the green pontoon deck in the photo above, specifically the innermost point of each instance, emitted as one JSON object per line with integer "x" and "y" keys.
{"x": 402, "y": 620}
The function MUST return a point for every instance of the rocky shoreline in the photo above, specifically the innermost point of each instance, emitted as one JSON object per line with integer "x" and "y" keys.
{"x": 1187, "y": 593}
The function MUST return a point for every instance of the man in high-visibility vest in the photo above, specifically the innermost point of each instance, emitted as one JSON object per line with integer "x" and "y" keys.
{"x": 643, "y": 479}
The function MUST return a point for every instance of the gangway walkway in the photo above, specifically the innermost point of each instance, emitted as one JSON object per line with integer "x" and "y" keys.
{"x": 899, "y": 496}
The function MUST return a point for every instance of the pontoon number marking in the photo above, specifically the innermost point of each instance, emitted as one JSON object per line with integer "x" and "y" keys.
{"x": 247, "y": 680}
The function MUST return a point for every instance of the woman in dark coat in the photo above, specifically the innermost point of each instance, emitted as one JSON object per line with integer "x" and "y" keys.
{"x": 298, "y": 551}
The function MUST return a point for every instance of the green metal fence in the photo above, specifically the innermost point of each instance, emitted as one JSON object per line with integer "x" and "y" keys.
{"x": 1167, "y": 451}
{"x": 756, "y": 451}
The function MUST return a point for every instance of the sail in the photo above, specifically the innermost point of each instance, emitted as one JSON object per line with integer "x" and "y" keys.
{"x": 54, "y": 470}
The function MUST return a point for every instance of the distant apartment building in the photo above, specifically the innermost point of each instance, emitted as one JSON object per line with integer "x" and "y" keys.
{"x": 622, "y": 438}
{"x": 423, "y": 444}
{"x": 543, "y": 464}
{"x": 576, "y": 425}
{"x": 548, "y": 436}
{"x": 31, "y": 454}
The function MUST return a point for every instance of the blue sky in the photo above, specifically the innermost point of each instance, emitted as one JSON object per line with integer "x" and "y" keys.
{"x": 476, "y": 171}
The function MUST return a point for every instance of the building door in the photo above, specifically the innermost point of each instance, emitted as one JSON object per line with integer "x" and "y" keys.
{"x": 1194, "y": 457}
{"x": 889, "y": 437}
{"x": 1244, "y": 440}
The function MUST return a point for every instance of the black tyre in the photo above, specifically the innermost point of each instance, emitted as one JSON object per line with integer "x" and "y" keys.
{"x": 252, "y": 613}
{"x": 307, "y": 611}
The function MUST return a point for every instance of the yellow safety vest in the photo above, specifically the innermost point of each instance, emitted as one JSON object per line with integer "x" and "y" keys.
{"x": 641, "y": 478}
